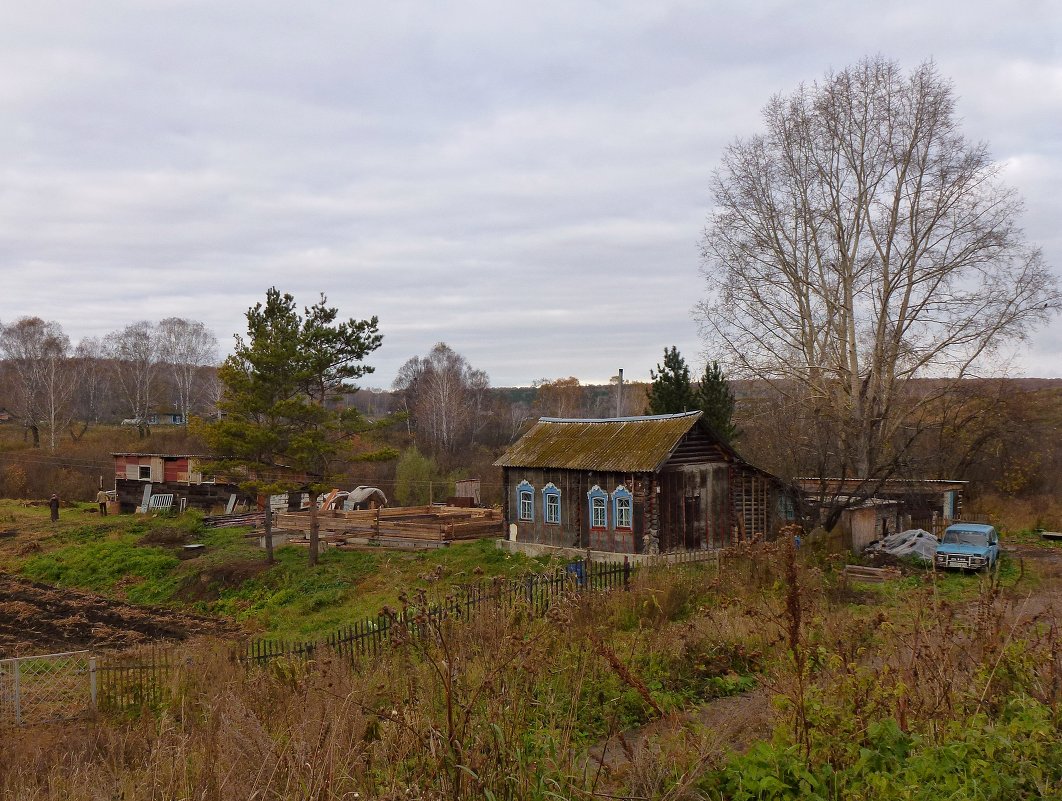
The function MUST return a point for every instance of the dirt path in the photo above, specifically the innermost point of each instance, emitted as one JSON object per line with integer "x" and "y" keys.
{"x": 721, "y": 726}
{"x": 36, "y": 618}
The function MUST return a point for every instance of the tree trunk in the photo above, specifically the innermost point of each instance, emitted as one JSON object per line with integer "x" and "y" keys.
{"x": 269, "y": 531}
{"x": 36, "y": 432}
{"x": 314, "y": 534}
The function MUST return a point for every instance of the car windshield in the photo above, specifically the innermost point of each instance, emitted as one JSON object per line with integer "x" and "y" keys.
{"x": 965, "y": 538}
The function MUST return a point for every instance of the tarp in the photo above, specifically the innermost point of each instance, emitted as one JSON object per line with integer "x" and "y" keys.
{"x": 915, "y": 543}
{"x": 362, "y": 494}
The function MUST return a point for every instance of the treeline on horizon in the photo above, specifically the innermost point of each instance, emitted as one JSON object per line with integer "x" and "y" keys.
{"x": 68, "y": 407}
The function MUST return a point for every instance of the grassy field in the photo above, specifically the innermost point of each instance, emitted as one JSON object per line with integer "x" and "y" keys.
{"x": 139, "y": 559}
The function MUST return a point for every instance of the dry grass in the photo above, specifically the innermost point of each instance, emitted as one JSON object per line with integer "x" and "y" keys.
{"x": 508, "y": 705}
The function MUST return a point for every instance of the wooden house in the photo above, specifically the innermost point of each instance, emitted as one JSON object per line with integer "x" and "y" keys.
{"x": 635, "y": 485}
{"x": 141, "y": 475}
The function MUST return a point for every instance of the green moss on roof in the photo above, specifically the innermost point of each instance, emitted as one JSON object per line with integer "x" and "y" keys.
{"x": 621, "y": 444}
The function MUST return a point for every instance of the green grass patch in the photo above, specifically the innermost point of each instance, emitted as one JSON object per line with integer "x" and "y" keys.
{"x": 146, "y": 575}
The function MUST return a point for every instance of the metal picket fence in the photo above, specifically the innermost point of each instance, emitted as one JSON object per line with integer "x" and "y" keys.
{"x": 369, "y": 637}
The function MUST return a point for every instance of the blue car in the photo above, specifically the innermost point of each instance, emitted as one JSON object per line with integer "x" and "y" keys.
{"x": 969, "y": 546}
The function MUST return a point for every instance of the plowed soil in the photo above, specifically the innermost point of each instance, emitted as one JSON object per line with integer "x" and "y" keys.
{"x": 36, "y": 619}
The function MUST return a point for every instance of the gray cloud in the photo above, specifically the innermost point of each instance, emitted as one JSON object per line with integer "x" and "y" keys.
{"x": 524, "y": 181}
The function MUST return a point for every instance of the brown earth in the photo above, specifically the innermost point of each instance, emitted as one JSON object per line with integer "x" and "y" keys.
{"x": 36, "y": 619}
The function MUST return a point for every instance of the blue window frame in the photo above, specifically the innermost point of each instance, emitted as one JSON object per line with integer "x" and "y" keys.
{"x": 525, "y": 501}
{"x": 623, "y": 508}
{"x": 551, "y": 507}
{"x": 598, "y": 507}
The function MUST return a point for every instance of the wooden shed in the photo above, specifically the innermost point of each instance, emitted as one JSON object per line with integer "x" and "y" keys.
{"x": 140, "y": 475}
{"x": 636, "y": 485}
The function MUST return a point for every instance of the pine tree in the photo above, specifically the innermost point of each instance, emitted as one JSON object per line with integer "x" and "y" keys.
{"x": 717, "y": 401}
{"x": 671, "y": 390}
{"x": 281, "y": 428}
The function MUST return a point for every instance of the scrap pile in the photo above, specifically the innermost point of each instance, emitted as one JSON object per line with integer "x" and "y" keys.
{"x": 915, "y": 543}
{"x": 399, "y": 527}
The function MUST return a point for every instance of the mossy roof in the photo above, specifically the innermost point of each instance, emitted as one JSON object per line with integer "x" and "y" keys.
{"x": 619, "y": 444}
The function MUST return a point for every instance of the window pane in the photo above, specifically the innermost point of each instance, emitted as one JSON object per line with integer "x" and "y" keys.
{"x": 598, "y": 519}
{"x": 553, "y": 508}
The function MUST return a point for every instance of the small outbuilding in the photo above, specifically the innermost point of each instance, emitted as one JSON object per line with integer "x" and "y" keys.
{"x": 140, "y": 476}
{"x": 637, "y": 485}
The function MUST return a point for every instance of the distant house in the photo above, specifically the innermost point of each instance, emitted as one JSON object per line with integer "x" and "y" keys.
{"x": 167, "y": 418}
{"x": 141, "y": 475}
{"x": 632, "y": 484}
{"x": 5, "y": 415}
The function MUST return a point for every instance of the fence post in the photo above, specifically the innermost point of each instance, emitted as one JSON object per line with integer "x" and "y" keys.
{"x": 18, "y": 694}
{"x": 626, "y": 573}
{"x": 92, "y": 680}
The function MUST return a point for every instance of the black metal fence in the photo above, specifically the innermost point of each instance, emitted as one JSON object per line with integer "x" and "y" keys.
{"x": 368, "y": 637}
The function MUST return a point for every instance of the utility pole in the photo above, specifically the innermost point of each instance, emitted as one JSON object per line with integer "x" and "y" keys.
{"x": 619, "y": 393}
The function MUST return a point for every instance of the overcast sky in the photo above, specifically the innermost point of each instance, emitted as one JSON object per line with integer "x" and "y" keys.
{"x": 525, "y": 181}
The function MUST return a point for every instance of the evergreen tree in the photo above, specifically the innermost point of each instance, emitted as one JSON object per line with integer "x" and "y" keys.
{"x": 281, "y": 428}
{"x": 671, "y": 390}
{"x": 717, "y": 401}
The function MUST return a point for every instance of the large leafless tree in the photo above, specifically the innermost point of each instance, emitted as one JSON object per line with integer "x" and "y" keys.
{"x": 861, "y": 242}
{"x": 186, "y": 346}
{"x": 447, "y": 399}
{"x": 135, "y": 354}
{"x": 40, "y": 374}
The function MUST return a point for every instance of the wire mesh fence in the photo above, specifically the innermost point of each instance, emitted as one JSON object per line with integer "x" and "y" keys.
{"x": 52, "y": 687}
{"x": 46, "y": 688}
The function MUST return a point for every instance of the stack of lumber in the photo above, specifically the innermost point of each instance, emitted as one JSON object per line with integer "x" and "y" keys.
{"x": 410, "y": 526}
{"x": 871, "y": 575}
{"x": 223, "y": 521}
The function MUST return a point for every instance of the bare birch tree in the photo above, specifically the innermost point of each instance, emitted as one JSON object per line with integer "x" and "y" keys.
{"x": 37, "y": 361}
{"x": 135, "y": 354}
{"x": 446, "y": 397}
{"x": 93, "y": 387}
{"x": 861, "y": 242}
{"x": 186, "y": 346}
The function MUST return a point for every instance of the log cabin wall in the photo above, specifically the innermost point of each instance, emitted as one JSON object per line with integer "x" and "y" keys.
{"x": 574, "y": 487}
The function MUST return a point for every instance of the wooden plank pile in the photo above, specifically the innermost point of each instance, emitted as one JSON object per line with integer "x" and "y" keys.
{"x": 224, "y": 521}
{"x": 870, "y": 575}
{"x": 399, "y": 527}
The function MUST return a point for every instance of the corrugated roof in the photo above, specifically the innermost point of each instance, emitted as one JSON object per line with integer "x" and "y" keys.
{"x": 623, "y": 444}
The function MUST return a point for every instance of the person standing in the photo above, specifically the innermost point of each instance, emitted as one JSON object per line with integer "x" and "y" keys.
{"x": 101, "y": 499}
{"x": 53, "y": 504}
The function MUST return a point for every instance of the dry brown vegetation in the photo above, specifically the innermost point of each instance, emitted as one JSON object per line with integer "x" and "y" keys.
{"x": 517, "y": 706}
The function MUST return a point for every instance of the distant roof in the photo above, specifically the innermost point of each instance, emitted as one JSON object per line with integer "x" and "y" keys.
{"x": 166, "y": 455}
{"x": 913, "y": 484}
{"x": 626, "y": 444}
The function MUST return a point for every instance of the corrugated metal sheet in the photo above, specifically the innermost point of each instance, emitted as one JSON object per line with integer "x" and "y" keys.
{"x": 626, "y": 444}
